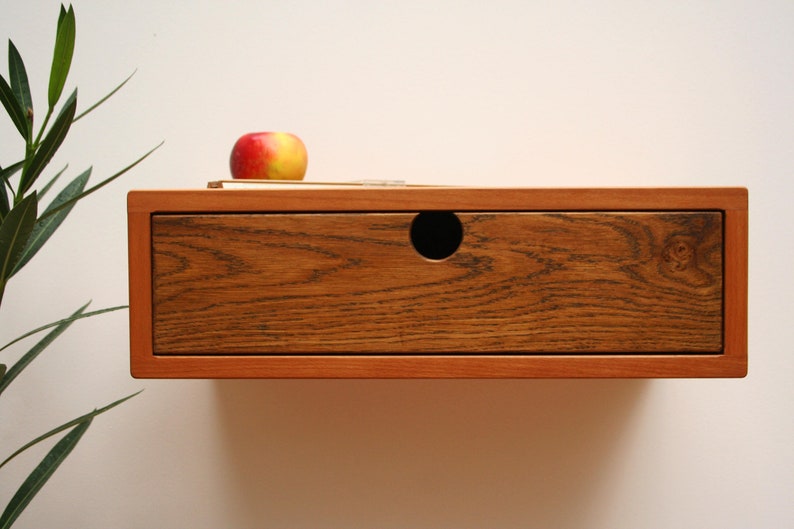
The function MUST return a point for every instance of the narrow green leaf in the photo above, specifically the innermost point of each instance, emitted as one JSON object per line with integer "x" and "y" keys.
{"x": 3, "y": 369}
{"x": 92, "y": 107}
{"x": 102, "y": 183}
{"x": 76, "y": 316}
{"x": 48, "y": 185}
{"x": 14, "y": 109}
{"x": 49, "y": 145}
{"x": 62, "y": 56}
{"x": 47, "y": 224}
{"x": 61, "y": 16}
{"x": 5, "y": 206}
{"x": 18, "y": 79}
{"x": 66, "y": 426}
{"x": 14, "y": 233}
{"x": 5, "y": 181}
{"x": 45, "y": 469}
{"x": 7, "y": 172}
{"x": 42, "y": 344}
{"x": 60, "y": 327}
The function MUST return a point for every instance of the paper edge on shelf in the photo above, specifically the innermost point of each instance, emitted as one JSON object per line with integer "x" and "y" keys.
{"x": 303, "y": 184}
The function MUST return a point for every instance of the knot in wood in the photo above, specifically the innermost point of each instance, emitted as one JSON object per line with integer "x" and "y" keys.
{"x": 678, "y": 254}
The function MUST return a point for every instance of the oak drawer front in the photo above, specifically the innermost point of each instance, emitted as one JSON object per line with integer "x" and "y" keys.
{"x": 519, "y": 282}
{"x": 431, "y": 282}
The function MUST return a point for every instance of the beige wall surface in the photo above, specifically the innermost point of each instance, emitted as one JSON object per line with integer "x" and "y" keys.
{"x": 513, "y": 93}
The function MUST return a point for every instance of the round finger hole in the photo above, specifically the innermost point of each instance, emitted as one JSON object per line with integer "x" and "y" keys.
{"x": 436, "y": 234}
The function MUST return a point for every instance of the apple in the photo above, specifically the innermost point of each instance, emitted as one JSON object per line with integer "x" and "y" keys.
{"x": 269, "y": 156}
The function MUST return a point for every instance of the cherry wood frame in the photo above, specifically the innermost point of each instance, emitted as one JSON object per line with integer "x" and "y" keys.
{"x": 731, "y": 362}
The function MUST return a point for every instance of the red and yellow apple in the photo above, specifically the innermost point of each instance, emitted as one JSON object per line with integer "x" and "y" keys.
{"x": 269, "y": 156}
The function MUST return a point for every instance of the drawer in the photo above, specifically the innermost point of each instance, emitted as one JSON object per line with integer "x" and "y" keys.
{"x": 438, "y": 282}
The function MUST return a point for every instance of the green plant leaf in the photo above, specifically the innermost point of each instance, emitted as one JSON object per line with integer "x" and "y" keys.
{"x": 62, "y": 55}
{"x": 95, "y": 105}
{"x": 56, "y": 323}
{"x": 27, "y": 358}
{"x": 14, "y": 233}
{"x": 18, "y": 79}
{"x": 5, "y": 182}
{"x": 101, "y": 184}
{"x": 7, "y": 172}
{"x": 47, "y": 224}
{"x": 59, "y": 327}
{"x": 14, "y": 109}
{"x": 3, "y": 369}
{"x": 48, "y": 185}
{"x": 61, "y": 15}
{"x": 45, "y": 469}
{"x": 67, "y": 425}
{"x": 36, "y": 164}
{"x": 5, "y": 205}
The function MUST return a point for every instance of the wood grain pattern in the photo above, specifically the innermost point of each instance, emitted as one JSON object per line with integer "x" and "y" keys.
{"x": 521, "y": 283}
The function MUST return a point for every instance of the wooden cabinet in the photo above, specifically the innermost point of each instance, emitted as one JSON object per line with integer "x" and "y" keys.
{"x": 438, "y": 282}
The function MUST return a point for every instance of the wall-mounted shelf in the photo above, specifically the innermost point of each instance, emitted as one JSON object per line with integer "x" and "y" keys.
{"x": 438, "y": 282}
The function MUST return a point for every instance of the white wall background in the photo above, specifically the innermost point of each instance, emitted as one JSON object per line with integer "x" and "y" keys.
{"x": 516, "y": 93}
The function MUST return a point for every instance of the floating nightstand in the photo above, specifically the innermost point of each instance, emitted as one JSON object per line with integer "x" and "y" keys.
{"x": 418, "y": 282}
